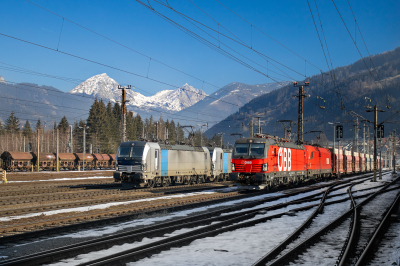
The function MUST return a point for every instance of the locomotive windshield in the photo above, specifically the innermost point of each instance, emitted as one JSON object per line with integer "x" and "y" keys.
{"x": 126, "y": 153}
{"x": 244, "y": 150}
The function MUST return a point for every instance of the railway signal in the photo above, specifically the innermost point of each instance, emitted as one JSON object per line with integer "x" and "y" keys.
{"x": 339, "y": 132}
{"x": 381, "y": 134}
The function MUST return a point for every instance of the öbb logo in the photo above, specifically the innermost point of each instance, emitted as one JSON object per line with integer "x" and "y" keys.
{"x": 284, "y": 159}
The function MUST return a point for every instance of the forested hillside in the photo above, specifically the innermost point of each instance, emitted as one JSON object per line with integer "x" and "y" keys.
{"x": 340, "y": 93}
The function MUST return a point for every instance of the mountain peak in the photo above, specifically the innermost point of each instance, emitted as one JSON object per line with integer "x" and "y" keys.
{"x": 2, "y": 80}
{"x": 103, "y": 86}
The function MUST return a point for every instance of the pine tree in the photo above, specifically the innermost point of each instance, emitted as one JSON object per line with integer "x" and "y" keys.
{"x": 172, "y": 132}
{"x": 38, "y": 125}
{"x": 12, "y": 123}
{"x": 27, "y": 132}
{"x": 63, "y": 125}
{"x": 139, "y": 126}
{"x": 180, "y": 135}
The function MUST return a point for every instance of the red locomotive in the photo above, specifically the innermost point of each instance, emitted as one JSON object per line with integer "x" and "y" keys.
{"x": 266, "y": 161}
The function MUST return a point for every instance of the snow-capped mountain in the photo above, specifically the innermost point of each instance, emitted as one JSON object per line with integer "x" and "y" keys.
{"x": 2, "y": 80}
{"x": 227, "y": 101}
{"x": 102, "y": 86}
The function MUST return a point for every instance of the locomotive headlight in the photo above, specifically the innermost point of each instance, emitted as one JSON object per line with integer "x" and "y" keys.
{"x": 265, "y": 167}
{"x": 233, "y": 167}
{"x": 144, "y": 167}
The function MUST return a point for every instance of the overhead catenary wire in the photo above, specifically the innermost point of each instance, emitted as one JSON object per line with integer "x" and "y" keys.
{"x": 369, "y": 71}
{"x": 120, "y": 44}
{"x": 359, "y": 30}
{"x": 74, "y": 22}
{"x": 252, "y": 25}
{"x": 218, "y": 49}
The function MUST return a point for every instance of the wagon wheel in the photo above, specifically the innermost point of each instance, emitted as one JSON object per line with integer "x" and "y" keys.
{"x": 197, "y": 180}
{"x": 223, "y": 179}
{"x": 157, "y": 182}
{"x": 165, "y": 181}
{"x": 151, "y": 183}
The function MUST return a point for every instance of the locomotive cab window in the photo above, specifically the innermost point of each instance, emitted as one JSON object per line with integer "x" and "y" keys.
{"x": 254, "y": 150}
{"x": 257, "y": 149}
{"x": 312, "y": 155}
{"x": 241, "y": 149}
{"x": 130, "y": 152}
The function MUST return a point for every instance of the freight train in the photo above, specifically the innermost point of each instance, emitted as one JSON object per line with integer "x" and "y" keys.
{"x": 265, "y": 161}
{"x": 24, "y": 161}
{"x": 150, "y": 164}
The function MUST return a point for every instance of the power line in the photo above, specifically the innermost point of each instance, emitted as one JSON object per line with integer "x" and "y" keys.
{"x": 359, "y": 30}
{"x": 120, "y": 44}
{"x": 359, "y": 51}
{"x": 268, "y": 35}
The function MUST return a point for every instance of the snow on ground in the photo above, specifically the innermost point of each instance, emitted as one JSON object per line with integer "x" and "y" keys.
{"x": 62, "y": 179}
{"x": 366, "y": 184}
{"x": 240, "y": 247}
{"x": 326, "y": 251}
{"x": 388, "y": 252}
{"x": 295, "y": 197}
{"x": 106, "y": 230}
{"x": 105, "y": 205}
{"x": 330, "y": 213}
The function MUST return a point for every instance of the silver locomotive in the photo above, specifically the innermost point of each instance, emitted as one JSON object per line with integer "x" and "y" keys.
{"x": 149, "y": 164}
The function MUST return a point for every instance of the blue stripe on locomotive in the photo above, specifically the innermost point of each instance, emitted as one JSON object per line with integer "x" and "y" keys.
{"x": 164, "y": 163}
{"x": 226, "y": 161}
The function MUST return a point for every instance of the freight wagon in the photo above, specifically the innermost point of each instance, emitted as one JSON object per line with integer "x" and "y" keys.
{"x": 23, "y": 161}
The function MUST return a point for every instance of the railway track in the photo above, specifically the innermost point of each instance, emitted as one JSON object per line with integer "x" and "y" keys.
{"x": 86, "y": 191}
{"x": 289, "y": 251}
{"x": 219, "y": 224}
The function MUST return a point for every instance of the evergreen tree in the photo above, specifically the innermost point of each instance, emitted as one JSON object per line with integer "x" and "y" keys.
{"x": 63, "y": 125}
{"x": 12, "y": 123}
{"x": 172, "y": 132}
{"x": 27, "y": 132}
{"x": 180, "y": 135}
{"x": 38, "y": 125}
{"x": 138, "y": 123}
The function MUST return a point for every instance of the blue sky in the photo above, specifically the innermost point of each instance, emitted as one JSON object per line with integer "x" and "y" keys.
{"x": 135, "y": 26}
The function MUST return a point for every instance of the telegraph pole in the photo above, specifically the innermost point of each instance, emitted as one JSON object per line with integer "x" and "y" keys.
{"x": 251, "y": 128}
{"x": 300, "y": 113}
{"x": 375, "y": 136}
{"x": 124, "y": 101}
{"x": 259, "y": 124}
{"x": 71, "y": 148}
{"x": 57, "y": 161}
{"x": 84, "y": 145}
{"x": 222, "y": 143}
{"x": 394, "y": 149}
{"x": 38, "y": 151}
